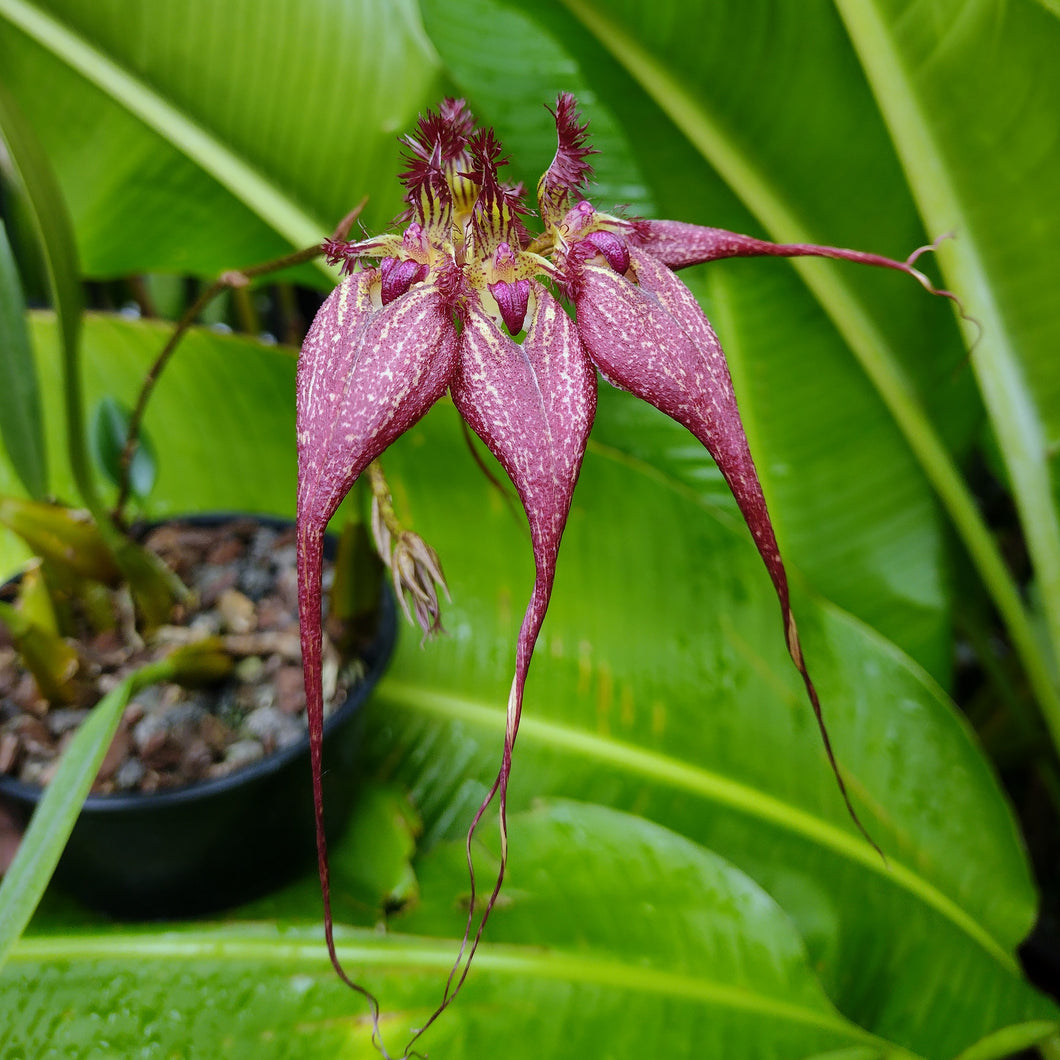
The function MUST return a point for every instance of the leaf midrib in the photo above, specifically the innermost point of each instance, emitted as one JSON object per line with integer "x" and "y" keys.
{"x": 666, "y": 770}
{"x": 414, "y": 952}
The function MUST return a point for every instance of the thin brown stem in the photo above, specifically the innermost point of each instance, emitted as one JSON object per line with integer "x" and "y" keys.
{"x": 231, "y": 278}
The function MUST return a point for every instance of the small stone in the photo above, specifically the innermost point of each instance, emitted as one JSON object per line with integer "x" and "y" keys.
{"x": 10, "y": 837}
{"x": 10, "y": 667}
{"x": 64, "y": 719}
{"x": 106, "y": 648}
{"x": 263, "y": 696}
{"x": 250, "y": 669}
{"x": 226, "y": 551}
{"x": 273, "y": 728}
{"x": 274, "y": 614}
{"x": 255, "y": 581}
{"x": 263, "y": 542}
{"x": 148, "y": 699}
{"x": 37, "y": 771}
{"x": 213, "y": 582}
{"x": 290, "y": 690}
{"x": 285, "y": 557}
{"x": 237, "y": 610}
{"x": 150, "y": 781}
{"x": 208, "y": 624}
{"x": 130, "y": 775}
{"x": 181, "y": 720}
{"x": 160, "y": 751}
{"x": 116, "y": 754}
{"x": 287, "y": 589}
{"x": 35, "y": 737}
{"x": 10, "y": 746}
{"x": 133, "y": 713}
{"x": 242, "y": 753}
{"x": 28, "y": 698}
{"x": 215, "y": 733}
{"x": 196, "y": 760}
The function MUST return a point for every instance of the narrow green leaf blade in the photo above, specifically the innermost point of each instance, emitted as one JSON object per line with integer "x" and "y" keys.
{"x": 21, "y": 424}
{"x": 108, "y": 433}
{"x": 51, "y": 824}
{"x": 38, "y": 185}
{"x": 984, "y": 162}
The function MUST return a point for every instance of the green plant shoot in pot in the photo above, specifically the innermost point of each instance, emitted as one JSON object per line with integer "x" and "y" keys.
{"x": 93, "y": 615}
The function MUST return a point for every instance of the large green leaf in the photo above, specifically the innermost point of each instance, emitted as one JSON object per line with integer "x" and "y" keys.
{"x": 265, "y": 123}
{"x": 996, "y": 189}
{"x": 864, "y": 530}
{"x": 804, "y": 148}
{"x": 662, "y": 687}
{"x": 623, "y": 937}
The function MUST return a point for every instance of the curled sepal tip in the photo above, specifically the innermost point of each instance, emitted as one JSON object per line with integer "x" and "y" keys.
{"x": 678, "y": 244}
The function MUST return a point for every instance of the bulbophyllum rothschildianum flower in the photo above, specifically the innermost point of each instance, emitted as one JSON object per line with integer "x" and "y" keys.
{"x": 466, "y": 299}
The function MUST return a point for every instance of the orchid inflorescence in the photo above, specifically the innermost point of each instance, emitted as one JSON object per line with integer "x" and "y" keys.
{"x": 466, "y": 299}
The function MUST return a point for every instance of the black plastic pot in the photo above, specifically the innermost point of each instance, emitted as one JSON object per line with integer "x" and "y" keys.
{"x": 218, "y": 843}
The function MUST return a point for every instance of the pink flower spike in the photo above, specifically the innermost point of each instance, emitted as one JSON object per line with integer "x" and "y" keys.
{"x": 365, "y": 375}
{"x": 652, "y": 339}
{"x": 533, "y": 405}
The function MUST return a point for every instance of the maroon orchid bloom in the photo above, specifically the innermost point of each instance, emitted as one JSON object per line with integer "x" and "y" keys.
{"x": 444, "y": 304}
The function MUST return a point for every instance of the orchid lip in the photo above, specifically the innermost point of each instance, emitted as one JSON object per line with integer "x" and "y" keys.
{"x": 398, "y": 276}
{"x": 513, "y": 300}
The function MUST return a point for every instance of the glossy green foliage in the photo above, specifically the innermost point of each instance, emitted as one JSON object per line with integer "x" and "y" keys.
{"x": 656, "y": 703}
{"x": 108, "y": 431}
{"x": 686, "y": 975}
{"x": 20, "y": 417}
{"x": 265, "y": 123}
{"x": 185, "y": 141}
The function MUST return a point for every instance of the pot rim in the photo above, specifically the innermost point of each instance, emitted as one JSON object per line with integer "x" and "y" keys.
{"x": 377, "y": 655}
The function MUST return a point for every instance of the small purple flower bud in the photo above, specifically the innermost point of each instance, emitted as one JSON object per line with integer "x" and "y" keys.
{"x": 512, "y": 300}
{"x": 398, "y": 276}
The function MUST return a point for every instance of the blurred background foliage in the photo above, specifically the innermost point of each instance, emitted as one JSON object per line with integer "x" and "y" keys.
{"x": 684, "y": 880}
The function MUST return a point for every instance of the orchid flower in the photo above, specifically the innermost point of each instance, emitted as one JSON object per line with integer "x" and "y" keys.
{"x": 465, "y": 299}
